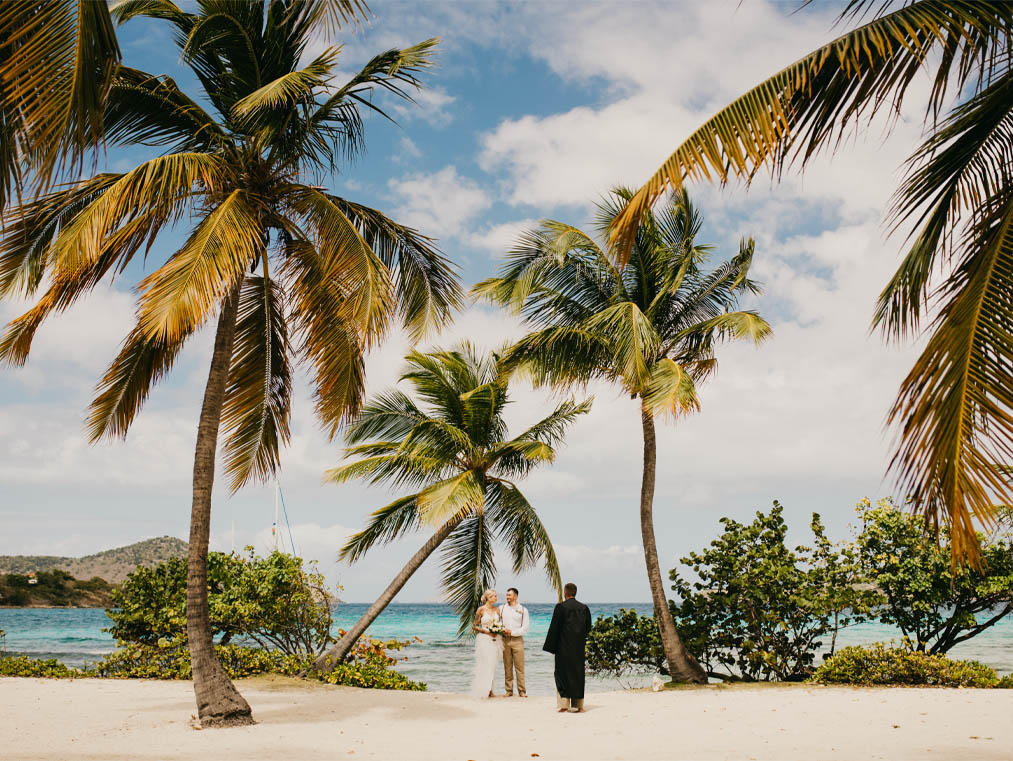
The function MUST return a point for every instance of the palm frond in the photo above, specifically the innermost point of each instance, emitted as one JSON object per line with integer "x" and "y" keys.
{"x": 324, "y": 337}
{"x": 258, "y": 395}
{"x": 954, "y": 407}
{"x": 468, "y": 567}
{"x": 389, "y": 415}
{"x": 810, "y": 104}
{"x": 385, "y": 525}
{"x": 460, "y": 494}
{"x": 57, "y": 61}
{"x": 124, "y": 388}
{"x": 516, "y": 523}
{"x": 426, "y": 283}
{"x": 964, "y": 161}
{"x": 670, "y": 389}
{"x": 181, "y": 294}
{"x": 350, "y": 263}
{"x": 152, "y": 110}
{"x": 631, "y": 338}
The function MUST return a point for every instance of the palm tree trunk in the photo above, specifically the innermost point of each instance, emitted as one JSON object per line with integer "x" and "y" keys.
{"x": 337, "y": 654}
{"x": 218, "y": 701}
{"x": 682, "y": 666}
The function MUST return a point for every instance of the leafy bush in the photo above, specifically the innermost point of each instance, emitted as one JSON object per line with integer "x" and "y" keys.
{"x": 879, "y": 664}
{"x": 22, "y": 665}
{"x": 270, "y": 600}
{"x": 758, "y": 609}
{"x": 626, "y": 643}
{"x": 369, "y": 667}
{"x": 1005, "y": 683}
{"x": 934, "y": 603}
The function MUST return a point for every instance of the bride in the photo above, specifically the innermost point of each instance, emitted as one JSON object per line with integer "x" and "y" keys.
{"x": 488, "y": 645}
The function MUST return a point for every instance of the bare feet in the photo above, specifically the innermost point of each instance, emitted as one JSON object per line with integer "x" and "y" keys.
{"x": 522, "y": 695}
{"x": 581, "y": 710}
{"x": 563, "y": 710}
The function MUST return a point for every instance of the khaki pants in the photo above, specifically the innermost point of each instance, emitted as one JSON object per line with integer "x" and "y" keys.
{"x": 513, "y": 658}
{"x": 567, "y": 703}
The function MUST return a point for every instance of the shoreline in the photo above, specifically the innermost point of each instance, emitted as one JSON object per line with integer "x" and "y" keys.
{"x": 142, "y": 720}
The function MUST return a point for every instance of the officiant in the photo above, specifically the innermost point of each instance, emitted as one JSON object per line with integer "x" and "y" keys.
{"x": 568, "y": 630}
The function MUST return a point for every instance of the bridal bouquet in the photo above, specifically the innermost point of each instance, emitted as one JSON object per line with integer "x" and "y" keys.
{"x": 496, "y": 627}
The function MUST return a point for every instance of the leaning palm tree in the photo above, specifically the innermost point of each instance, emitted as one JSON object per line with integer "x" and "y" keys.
{"x": 955, "y": 407}
{"x": 651, "y": 328}
{"x": 455, "y": 451}
{"x": 292, "y": 271}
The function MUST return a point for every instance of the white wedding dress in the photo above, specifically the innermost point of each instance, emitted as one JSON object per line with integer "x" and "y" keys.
{"x": 488, "y": 652}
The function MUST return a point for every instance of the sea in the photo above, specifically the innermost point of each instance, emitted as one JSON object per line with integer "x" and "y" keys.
{"x": 441, "y": 659}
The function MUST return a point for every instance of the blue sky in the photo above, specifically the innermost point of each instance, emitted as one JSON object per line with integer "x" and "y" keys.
{"x": 534, "y": 111}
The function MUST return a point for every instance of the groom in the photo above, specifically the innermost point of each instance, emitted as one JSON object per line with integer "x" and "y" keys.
{"x": 568, "y": 630}
{"x": 516, "y": 622}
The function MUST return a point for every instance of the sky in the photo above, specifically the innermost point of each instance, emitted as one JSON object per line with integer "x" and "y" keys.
{"x": 534, "y": 111}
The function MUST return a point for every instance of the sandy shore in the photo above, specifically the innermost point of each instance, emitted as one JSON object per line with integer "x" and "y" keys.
{"x": 116, "y": 720}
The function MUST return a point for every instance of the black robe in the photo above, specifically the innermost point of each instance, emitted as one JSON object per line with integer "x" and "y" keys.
{"x": 568, "y": 630}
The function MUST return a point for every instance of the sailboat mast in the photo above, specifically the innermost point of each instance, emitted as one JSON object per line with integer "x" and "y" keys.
{"x": 275, "y": 527}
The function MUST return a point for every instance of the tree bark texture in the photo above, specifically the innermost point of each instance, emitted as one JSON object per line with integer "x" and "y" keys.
{"x": 337, "y": 654}
{"x": 218, "y": 701}
{"x": 682, "y": 666}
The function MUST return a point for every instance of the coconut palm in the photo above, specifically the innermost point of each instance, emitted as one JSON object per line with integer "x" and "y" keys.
{"x": 954, "y": 409}
{"x": 651, "y": 328}
{"x": 452, "y": 447}
{"x": 292, "y": 271}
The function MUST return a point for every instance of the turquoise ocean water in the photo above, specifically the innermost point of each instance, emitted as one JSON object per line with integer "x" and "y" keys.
{"x": 441, "y": 660}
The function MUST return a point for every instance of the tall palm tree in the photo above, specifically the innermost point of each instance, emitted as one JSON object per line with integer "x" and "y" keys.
{"x": 955, "y": 407}
{"x": 455, "y": 451}
{"x": 651, "y": 327}
{"x": 294, "y": 272}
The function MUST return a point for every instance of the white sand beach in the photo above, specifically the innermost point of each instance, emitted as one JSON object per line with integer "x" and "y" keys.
{"x": 111, "y": 720}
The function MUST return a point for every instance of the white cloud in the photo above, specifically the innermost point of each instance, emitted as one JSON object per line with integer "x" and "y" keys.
{"x": 432, "y": 105}
{"x": 440, "y": 203}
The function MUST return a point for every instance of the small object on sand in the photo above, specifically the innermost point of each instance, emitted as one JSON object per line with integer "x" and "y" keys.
{"x": 657, "y": 684}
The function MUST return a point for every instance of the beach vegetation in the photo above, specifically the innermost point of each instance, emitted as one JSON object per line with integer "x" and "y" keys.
{"x": 450, "y": 444}
{"x": 934, "y": 603}
{"x": 287, "y": 271}
{"x": 880, "y": 664}
{"x": 752, "y": 608}
{"x": 53, "y": 588}
{"x": 954, "y": 409}
{"x": 273, "y": 601}
{"x": 651, "y": 328}
{"x": 370, "y": 665}
{"x": 48, "y": 668}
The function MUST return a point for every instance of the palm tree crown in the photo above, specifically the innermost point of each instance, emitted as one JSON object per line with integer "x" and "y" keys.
{"x": 652, "y": 326}
{"x": 451, "y": 447}
{"x": 317, "y": 277}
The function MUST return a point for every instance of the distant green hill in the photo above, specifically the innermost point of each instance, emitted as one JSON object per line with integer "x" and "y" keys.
{"x": 111, "y": 565}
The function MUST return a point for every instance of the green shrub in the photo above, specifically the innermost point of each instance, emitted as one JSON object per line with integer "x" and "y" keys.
{"x": 22, "y": 665}
{"x": 879, "y": 664}
{"x": 627, "y": 643}
{"x": 1005, "y": 683}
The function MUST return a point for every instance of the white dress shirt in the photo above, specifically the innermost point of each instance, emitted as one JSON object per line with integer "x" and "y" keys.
{"x": 515, "y": 618}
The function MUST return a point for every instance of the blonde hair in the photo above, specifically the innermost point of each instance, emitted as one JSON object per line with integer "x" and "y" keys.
{"x": 486, "y": 594}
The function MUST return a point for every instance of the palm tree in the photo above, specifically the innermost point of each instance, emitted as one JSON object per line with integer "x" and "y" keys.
{"x": 294, "y": 272}
{"x": 455, "y": 451}
{"x": 955, "y": 407}
{"x": 651, "y": 327}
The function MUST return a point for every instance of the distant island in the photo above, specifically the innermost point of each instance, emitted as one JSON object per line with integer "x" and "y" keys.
{"x": 83, "y": 582}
